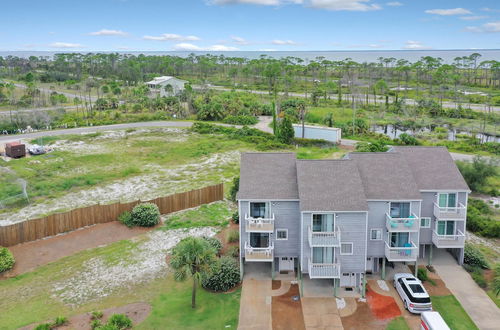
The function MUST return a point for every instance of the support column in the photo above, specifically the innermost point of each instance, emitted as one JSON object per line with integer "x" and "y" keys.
{"x": 429, "y": 262}
{"x": 242, "y": 265}
{"x": 335, "y": 287}
{"x": 272, "y": 269}
{"x": 416, "y": 268}
{"x": 383, "y": 268}
{"x": 363, "y": 293}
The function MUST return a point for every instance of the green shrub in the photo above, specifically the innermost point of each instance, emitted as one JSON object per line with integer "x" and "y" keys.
{"x": 474, "y": 257}
{"x": 7, "y": 260}
{"x": 240, "y": 120}
{"x": 225, "y": 275}
{"x": 234, "y": 189}
{"x": 495, "y": 285}
{"x": 145, "y": 215}
{"x": 478, "y": 277}
{"x": 96, "y": 315}
{"x": 59, "y": 321}
{"x": 477, "y": 173}
{"x": 409, "y": 140}
{"x": 236, "y": 217}
{"x": 43, "y": 326}
{"x": 126, "y": 219}
{"x": 215, "y": 243}
{"x": 233, "y": 251}
{"x": 95, "y": 324}
{"x": 422, "y": 274}
{"x": 233, "y": 236}
{"x": 376, "y": 146}
{"x": 285, "y": 131}
{"x": 120, "y": 321}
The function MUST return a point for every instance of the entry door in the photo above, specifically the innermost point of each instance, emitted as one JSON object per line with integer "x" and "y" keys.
{"x": 348, "y": 280}
{"x": 286, "y": 263}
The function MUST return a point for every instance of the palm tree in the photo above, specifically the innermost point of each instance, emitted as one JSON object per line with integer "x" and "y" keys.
{"x": 192, "y": 257}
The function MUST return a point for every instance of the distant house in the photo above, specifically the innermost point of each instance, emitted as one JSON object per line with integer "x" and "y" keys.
{"x": 159, "y": 86}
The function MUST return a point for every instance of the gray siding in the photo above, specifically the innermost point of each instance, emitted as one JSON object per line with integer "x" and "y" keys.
{"x": 353, "y": 230}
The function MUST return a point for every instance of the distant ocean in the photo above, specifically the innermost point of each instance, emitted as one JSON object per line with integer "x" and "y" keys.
{"x": 359, "y": 56}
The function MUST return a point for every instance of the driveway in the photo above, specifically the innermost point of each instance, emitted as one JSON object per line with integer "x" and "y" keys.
{"x": 482, "y": 310}
{"x": 255, "y": 303}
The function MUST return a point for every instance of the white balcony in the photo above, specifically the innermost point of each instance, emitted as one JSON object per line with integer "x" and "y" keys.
{"x": 324, "y": 238}
{"x": 324, "y": 270}
{"x": 448, "y": 241}
{"x": 402, "y": 224}
{"x": 409, "y": 253}
{"x": 259, "y": 225}
{"x": 265, "y": 254}
{"x": 450, "y": 213}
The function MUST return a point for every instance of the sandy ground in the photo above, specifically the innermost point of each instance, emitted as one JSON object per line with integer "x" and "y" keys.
{"x": 287, "y": 313}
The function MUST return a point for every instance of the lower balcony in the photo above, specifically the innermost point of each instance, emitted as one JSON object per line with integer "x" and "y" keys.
{"x": 448, "y": 241}
{"x": 324, "y": 238}
{"x": 405, "y": 253}
{"x": 259, "y": 254}
{"x": 324, "y": 270}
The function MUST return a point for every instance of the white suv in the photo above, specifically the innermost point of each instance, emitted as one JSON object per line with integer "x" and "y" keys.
{"x": 412, "y": 292}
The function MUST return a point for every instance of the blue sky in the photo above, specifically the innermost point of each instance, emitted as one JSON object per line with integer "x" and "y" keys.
{"x": 192, "y": 25}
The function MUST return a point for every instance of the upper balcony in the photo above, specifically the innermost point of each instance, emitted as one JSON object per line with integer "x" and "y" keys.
{"x": 317, "y": 270}
{"x": 259, "y": 225}
{"x": 448, "y": 241}
{"x": 406, "y": 253}
{"x": 265, "y": 254}
{"x": 450, "y": 213}
{"x": 324, "y": 238}
{"x": 402, "y": 224}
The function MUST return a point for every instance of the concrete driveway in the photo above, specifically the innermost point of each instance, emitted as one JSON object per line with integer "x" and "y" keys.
{"x": 482, "y": 310}
{"x": 255, "y": 303}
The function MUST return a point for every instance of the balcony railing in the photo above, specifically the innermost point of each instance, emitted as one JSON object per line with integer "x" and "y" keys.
{"x": 259, "y": 225}
{"x": 406, "y": 253}
{"x": 324, "y": 238}
{"x": 324, "y": 270}
{"x": 448, "y": 241}
{"x": 402, "y": 224}
{"x": 453, "y": 213}
{"x": 259, "y": 253}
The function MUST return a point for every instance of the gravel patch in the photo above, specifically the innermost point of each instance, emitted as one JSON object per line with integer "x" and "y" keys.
{"x": 97, "y": 279}
{"x": 340, "y": 303}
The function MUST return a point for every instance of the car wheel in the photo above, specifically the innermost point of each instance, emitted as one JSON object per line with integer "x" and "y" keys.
{"x": 406, "y": 305}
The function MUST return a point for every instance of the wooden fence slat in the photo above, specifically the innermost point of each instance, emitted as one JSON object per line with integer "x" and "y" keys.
{"x": 54, "y": 224}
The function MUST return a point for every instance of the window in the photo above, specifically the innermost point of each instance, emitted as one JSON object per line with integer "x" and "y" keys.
{"x": 258, "y": 210}
{"x": 323, "y": 223}
{"x": 376, "y": 234}
{"x": 346, "y": 248}
{"x": 446, "y": 227}
{"x": 323, "y": 255}
{"x": 281, "y": 234}
{"x": 447, "y": 200}
{"x": 425, "y": 222}
{"x": 400, "y": 210}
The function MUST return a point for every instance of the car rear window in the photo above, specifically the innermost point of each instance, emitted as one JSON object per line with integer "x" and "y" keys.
{"x": 416, "y": 288}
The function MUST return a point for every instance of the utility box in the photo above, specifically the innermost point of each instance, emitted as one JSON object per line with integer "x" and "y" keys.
{"x": 15, "y": 150}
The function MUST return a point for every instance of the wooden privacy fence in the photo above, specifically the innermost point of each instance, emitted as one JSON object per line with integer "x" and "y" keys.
{"x": 54, "y": 224}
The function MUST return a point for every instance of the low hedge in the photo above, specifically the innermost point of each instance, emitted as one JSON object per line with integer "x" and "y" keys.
{"x": 7, "y": 260}
{"x": 225, "y": 275}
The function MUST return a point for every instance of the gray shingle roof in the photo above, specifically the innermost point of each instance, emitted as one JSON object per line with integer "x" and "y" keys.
{"x": 330, "y": 185}
{"x": 386, "y": 176}
{"x": 433, "y": 168}
{"x": 268, "y": 176}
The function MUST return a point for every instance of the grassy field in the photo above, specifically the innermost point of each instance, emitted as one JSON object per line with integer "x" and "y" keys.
{"x": 398, "y": 323}
{"x": 45, "y": 294}
{"x": 214, "y": 214}
{"x": 452, "y": 312}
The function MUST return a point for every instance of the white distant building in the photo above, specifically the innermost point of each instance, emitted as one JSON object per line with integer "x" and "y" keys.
{"x": 158, "y": 86}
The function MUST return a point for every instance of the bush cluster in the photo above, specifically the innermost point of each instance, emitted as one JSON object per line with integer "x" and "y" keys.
{"x": 236, "y": 217}
{"x": 225, "y": 275}
{"x": 233, "y": 236}
{"x": 480, "y": 220}
{"x": 241, "y": 120}
{"x": 215, "y": 243}
{"x": 115, "y": 322}
{"x": 474, "y": 257}
{"x": 143, "y": 215}
{"x": 422, "y": 274}
{"x": 58, "y": 322}
{"x": 234, "y": 188}
{"x": 7, "y": 260}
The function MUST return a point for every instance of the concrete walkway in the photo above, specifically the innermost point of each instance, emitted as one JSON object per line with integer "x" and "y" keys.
{"x": 255, "y": 303}
{"x": 321, "y": 313}
{"x": 482, "y": 310}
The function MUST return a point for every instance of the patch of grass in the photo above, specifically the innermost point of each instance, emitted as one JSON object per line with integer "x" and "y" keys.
{"x": 494, "y": 297}
{"x": 452, "y": 312}
{"x": 172, "y": 309}
{"x": 317, "y": 152}
{"x": 399, "y": 323}
{"x": 216, "y": 214}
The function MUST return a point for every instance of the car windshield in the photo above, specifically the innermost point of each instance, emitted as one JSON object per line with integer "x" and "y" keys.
{"x": 417, "y": 288}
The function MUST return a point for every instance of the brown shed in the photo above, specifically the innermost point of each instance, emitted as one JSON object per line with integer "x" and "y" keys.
{"x": 15, "y": 149}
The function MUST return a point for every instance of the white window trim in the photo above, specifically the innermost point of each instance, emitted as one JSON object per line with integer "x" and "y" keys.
{"x": 429, "y": 226}
{"x": 381, "y": 234}
{"x": 268, "y": 206}
{"x": 447, "y": 197}
{"x": 352, "y": 249}
{"x": 281, "y": 239}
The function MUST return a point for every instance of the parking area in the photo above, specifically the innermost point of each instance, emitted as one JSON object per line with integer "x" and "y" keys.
{"x": 255, "y": 304}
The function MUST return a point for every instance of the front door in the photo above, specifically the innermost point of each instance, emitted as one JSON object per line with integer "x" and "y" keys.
{"x": 286, "y": 263}
{"x": 348, "y": 280}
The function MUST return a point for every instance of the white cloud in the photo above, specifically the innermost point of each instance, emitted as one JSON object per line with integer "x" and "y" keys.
{"x": 195, "y": 48}
{"x": 335, "y": 5}
{"x": 171, "y": 37}
{"x": 394, "y": 4}
{"x": 65, "y": 45}
{"x": 239, "y": 40}
{"x": 449, "y": 12}
{"x": 374, "y": 46}
{"x": 413, "y": 44}
{"x": 283, "y": 42}
{"x": 473, "y": 18}
{"x": 105, "y": 32}
{"x": 490, "y": 10}
{"x": 491, "y": 27}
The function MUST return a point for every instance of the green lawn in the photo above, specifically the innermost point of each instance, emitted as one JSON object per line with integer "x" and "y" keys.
{"x": 452, "y": 312}
{"x": 215, "y": 214}
{"x": 398, "y": 323}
